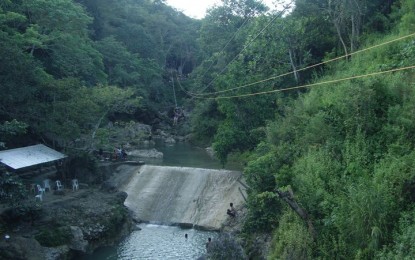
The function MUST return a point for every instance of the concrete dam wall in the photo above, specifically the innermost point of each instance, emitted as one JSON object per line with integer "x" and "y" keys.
{"x": 183, "y": 195}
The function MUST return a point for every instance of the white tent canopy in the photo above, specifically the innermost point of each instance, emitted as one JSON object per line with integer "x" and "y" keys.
{"x": 29, "y": 156}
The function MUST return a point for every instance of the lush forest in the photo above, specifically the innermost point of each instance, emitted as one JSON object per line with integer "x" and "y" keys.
{"x": 67, "y": 66}
{"x": 317, "y": 100}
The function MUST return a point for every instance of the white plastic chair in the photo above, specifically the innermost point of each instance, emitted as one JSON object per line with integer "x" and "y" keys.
{"x": 59, "y": 185}
{"x": 46, "y": 184}
{"x": 75, "y": 184}
{"x": 39, "y": 197}
{"x": 40, "y": 190}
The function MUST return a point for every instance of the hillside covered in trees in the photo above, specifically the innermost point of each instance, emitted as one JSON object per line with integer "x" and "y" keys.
{"x": 317, "y": 101}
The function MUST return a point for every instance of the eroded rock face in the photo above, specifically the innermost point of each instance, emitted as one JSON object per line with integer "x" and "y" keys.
{"x": 18, "y": 247}
{"x": 74, "y": 223}
{"x": 78, "y": 242}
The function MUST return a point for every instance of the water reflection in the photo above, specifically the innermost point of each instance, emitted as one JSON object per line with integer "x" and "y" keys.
{"x": 164, "y": 242}
{"x": 186, "y": 155}
{"x": 158, "y": 242}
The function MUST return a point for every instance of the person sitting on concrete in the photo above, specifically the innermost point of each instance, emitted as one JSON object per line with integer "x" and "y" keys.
{"x": 232, "y": 211}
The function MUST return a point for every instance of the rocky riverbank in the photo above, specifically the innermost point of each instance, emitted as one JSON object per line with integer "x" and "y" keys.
{"x": 66, "y": 225}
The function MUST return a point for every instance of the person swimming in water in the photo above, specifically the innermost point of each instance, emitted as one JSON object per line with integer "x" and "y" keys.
{"x": 208, "y": 243}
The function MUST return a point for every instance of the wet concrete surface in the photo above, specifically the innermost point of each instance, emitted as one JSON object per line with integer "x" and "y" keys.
{"x": 170, "y": 195}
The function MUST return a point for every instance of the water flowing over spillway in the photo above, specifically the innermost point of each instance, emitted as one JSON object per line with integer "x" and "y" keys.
{"x": 183, "y": 195}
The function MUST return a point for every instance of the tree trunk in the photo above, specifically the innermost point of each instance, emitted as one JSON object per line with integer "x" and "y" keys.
{"x": 292, "y": 62}
{"x": 32, "y": 50}
{"x": 341, "y": 38}
{"x": 289, "y": 199}
{"x": 97, "y": 126}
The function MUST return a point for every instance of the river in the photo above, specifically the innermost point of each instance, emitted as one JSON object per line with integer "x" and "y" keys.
{"x": 157, "y": 242}
{"x": 165, "y": 242}
{"x": 185, "y": 155}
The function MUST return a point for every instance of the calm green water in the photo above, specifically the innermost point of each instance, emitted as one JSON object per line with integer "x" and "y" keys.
{"x": 166, "y": 242}
{"x": 186, "y": 155}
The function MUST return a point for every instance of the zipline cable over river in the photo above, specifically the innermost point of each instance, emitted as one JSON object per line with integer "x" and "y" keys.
{"x": 280, "y": 13}
{"x": 233, "y": 36}
{"x": 202, "y": 96}
{"x": 314, "y": 84}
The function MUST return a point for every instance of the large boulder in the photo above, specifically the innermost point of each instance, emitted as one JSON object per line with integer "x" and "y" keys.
{"x": 78, "y": 243}
{"x": 21, "y": 248}
{"x": 170, "y": 140}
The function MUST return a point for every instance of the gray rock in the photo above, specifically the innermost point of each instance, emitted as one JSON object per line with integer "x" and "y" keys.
{"x": 53, "y": 253}
{"x": 121, "y": 196}
{"x": 108, "y": 186}
{"x": 210, "y": 151}
{"x": 78, "y": 242}
{"x": 21, "y": 248}
{"x": 59, "y": 192}
{"x": 170, "y": 140}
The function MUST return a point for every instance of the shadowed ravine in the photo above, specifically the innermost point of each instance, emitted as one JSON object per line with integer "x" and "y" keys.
{"x": 173, "y": 195}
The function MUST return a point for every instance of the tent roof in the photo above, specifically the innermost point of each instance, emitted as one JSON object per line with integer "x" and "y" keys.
{"x": 28, "y": 156}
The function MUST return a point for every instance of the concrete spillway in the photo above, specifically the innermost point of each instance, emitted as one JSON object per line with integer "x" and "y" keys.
{"x": 183, "y": 195}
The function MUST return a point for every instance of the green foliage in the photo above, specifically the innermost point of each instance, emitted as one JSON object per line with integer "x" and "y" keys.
{"x": 345, "y": 152}
{"x": 23, "y": 212}
{"x": 122, "y": 67}
{"x": 117, "y": 219}
{"x": 13, "y": 127}
{"x": 53, "y": 237}
{"x": 227, "y": 139}
{"x": 404, "y": 239}
{"x": 83, "y": 166}
{"x": 205, "y": 121}
{"x": 264, "y": 211}
{"x": 259, "y": 173}
{"x": 12, "y": 190}
{"x": 407, "y": 10}
{"x": 9, "y": 129}
{"x": 291, "y": 240}
{"x": 396, "y": 174}
{"x": 225, "y": 247}
{"x": 60, "y": 28}
{"x": 363, "y": 216}
{"x": 56, "y": 59}
{"x": 316, "y": 178}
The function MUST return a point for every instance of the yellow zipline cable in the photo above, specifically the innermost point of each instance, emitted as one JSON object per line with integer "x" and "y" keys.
{"x": 312, "y": 66}
{"x": 280, "y": 13}
{"x": 233, "y": 36}
{"x": 310, "y": 85}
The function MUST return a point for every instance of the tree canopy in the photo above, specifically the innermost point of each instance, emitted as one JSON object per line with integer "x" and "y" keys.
{"x": 327, "y": 146}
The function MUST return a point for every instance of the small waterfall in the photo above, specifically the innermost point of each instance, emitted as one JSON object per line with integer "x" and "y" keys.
{"x": 183, "y": 195}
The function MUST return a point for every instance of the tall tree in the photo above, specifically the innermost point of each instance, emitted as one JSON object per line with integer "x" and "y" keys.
{"x": 62, "y": 29}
